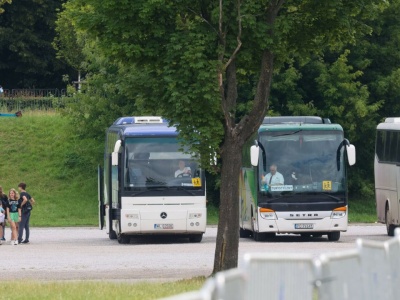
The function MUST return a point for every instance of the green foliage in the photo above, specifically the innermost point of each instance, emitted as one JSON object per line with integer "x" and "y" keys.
{"x": 362, "y": 210}
{"x": 174, "y": 61}
{"x": 2, "y": 2}
{"x": 68, "y": 44}
{"x": 27, "y": 56}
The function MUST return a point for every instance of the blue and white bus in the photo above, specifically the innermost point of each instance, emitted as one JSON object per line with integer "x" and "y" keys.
{"x": 150, "y": 185}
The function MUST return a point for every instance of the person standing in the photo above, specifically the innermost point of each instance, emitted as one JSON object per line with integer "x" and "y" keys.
{"x": 26, "y": 202}
{"x": 2, "y": 220}
{"x": 4, "y": 202}
{"x": 13, "y": 214}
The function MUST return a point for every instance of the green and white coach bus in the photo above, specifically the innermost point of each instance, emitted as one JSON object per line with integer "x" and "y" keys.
{"x": 294, "y": 180}
{"x": 150, "y": 185}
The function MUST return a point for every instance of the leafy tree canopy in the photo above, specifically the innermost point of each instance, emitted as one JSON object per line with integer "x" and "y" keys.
{"x": 26, "y": 34}
{"x": 179, "y": 45}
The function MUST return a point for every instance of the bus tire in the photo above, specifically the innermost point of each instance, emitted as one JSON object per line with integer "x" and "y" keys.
{"x": 269, "y": 235}
{"x": 123, "y": 239}
{"x": 258, "y": 236}
{"x": 389, "y": 227}
{"x": 334, "y": 236}
{"x": 195, "y": 238}
{"x": 112, "y": 234}
{"x": 244, "y": 233}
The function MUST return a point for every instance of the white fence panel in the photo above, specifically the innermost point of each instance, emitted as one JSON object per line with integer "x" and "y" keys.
{"x": 339, "y": 276}
{"x": 279, "y": 276}
{"x": 230, "y": 285}
{"x": 375, "y": 270}
{"x": 393, "y": 248}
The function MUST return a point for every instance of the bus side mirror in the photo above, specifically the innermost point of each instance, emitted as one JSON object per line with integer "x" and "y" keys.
{"x": 254, "y": 154}
{"x": 114, "y": 159}
{"x": 114, "y": 155}
{"x": 351, "y": 154}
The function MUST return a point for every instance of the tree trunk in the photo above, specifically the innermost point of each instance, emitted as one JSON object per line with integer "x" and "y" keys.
{"x": 226, "y": 250}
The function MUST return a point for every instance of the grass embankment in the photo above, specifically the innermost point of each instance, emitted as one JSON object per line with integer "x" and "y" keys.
{"x": 40, "y": 150}
{"x": 99, "y": 290}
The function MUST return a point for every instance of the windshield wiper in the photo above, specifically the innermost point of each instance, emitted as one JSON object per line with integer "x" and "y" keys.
{"x": 332, "y": 197}
{"x": 187, "y": 191}
{"x": 290, "y": 133}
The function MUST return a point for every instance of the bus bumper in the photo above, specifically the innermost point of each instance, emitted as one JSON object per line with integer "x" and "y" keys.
{"x": 281, "y": 225}
{"x": 163, "y": 221}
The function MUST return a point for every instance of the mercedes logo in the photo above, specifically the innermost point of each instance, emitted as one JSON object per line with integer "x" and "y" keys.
{"x": 163, "y": 215}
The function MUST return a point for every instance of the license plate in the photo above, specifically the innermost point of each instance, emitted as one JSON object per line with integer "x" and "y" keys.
{"x": 304, "y": 226}
{"x": 163, "y": 226}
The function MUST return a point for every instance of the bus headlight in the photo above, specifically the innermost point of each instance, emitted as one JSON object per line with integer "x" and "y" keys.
{"x": 339, "y": 212}
{"x": 267, "y": 213}
{"x": 195, "y": 215}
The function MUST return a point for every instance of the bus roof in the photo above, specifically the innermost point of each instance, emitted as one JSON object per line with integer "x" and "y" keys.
{"x": 390, "y": 124}
{"x": 143, "y": 126}
{"x": 297, "y": 123}
{"x": 296, "y": 119}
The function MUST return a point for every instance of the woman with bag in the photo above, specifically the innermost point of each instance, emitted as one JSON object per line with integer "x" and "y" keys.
{"x": 26, "y": 202}
{"x": 13, "y": 214}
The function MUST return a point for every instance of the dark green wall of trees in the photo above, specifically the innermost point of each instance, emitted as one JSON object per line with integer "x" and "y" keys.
{"x": 27, "y": 57}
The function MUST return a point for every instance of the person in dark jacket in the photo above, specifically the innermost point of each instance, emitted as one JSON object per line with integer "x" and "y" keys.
{"x": 26, "y": 202}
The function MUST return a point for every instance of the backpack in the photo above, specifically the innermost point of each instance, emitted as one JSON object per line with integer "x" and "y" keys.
{"x": 27, "y": 207}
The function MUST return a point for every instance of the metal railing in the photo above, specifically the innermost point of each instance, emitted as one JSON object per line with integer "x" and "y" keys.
{"x": 32, "y": 99}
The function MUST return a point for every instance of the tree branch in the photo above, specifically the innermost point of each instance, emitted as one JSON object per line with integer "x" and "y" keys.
{"x": 253, "y": 120}
{"x": 239, "y": 45}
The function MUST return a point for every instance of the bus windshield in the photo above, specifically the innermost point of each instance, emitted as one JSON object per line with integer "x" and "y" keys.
{"x": 306, "y": 161}
{"x": 160, "y": 163}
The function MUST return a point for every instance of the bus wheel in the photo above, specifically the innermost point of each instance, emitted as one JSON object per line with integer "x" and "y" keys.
{"x": 123, "y": 239}
{"x": 112, "y": 234}
{"x": 244, "y": 233}
{"x": 195, "y": 238}
{"x": 334, "y": 236}
{"x": 258, "y": 236}
{"x": 389, "y": 227}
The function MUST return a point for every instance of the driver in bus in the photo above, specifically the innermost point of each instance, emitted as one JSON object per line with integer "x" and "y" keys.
{"x": 273, "y": 177}
{"x": 183, "y": 170}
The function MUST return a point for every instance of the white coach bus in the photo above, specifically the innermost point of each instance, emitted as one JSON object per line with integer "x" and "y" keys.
{"x": 150, "y": 185}
{"x": 309, "y": 194}
{"x": 387, "y": 173}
